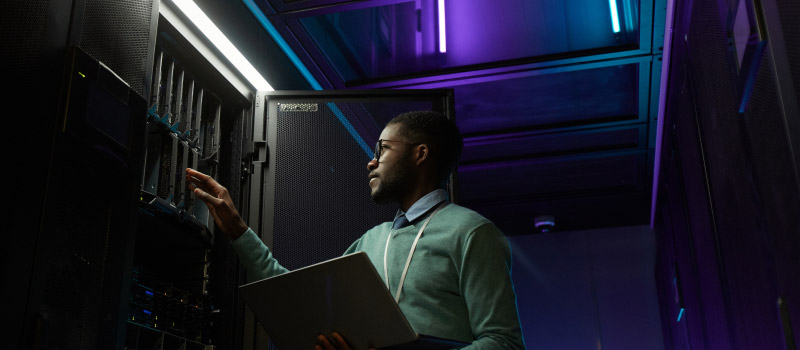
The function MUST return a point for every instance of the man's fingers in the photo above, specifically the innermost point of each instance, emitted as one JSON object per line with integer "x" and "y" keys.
{"x": 207, "y": 183}
{"x": 324, "y": 343}
{"x": 205, "y": 197}
{"x": 200, "y": 182}
{"x": 195, "y": 173}
{"x": 340, "y": 341}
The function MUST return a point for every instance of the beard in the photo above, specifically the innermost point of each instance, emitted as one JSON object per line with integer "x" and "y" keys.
{"x": 394, "y": 184}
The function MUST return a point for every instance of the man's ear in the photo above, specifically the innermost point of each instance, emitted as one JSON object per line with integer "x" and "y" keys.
{"x": 421, "y": 153}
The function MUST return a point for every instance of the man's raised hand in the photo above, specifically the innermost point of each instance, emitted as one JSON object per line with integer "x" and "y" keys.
{"x": 219, "y": 202}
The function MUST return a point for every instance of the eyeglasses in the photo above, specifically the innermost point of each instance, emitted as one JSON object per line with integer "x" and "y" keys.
{"x": 380, "y": 143}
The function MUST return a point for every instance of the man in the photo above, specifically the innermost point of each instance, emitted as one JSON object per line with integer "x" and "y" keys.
{"x": 458, "y": 284}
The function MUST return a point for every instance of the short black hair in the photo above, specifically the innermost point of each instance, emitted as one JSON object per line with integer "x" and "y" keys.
{"x": 439, "y": 133}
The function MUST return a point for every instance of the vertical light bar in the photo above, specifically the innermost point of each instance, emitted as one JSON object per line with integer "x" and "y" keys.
{"x": 418, "y": 33}
{"x": 442, "y": 36}
{"x": 204, "y": 24}
{"x": 612, "y": 4}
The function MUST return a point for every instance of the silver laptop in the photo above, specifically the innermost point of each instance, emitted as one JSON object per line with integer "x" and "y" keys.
{"x": 345, "y": 295}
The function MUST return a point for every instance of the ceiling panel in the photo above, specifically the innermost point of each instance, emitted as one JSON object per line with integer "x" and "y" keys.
{"x": 479, "y": 150}
{"x": 566, "y": 98}
{"x": 541, "y": 178}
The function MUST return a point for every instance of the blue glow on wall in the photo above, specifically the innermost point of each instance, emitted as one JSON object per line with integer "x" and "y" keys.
{"x": 256, "y": 11}
{"x": 612, "y": 4}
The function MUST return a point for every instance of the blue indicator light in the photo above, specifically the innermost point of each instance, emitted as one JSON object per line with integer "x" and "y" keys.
{"x": 147, "y": 312}
{"x": 148, "y": 292}
{"x": 680, "y": 315}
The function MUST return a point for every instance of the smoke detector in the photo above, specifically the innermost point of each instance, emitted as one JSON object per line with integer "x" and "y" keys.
{"x": 544, "y": 223}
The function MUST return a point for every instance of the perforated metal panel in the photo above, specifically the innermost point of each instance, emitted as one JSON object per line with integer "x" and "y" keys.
{"x": 74, "y": 270}
{"x": 745, "y": 152}
{"x": 323, "y": 203}
{"x": 87, "y": 225}
{"x": 22, "y": 34}
{"x": 775, "y": 180}
{"x": 789, "y": 13}
{"x": 320, "y": 195}
{"x": 117, "y": 33}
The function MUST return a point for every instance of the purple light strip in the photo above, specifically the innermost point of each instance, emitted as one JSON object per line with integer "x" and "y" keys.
{"x": 442, "y": 36}
{"x": 418, "y": 34}
{"x": 448, "y": 79}
{"x": 662, "y": 101}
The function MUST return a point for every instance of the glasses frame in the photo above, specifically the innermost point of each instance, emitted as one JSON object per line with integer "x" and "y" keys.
{"x": 378, "y": 146}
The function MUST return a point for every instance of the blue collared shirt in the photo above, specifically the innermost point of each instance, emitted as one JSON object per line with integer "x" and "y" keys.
{"x": 422, "y": 206}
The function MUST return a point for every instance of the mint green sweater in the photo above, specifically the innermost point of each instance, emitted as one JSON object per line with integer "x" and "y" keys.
{"x": 458, "y": 285}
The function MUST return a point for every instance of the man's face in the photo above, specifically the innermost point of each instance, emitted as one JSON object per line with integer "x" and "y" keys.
{"x": 390, "y": 176}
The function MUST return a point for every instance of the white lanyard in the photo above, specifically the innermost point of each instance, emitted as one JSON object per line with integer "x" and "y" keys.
{"x": 410, "y": 254}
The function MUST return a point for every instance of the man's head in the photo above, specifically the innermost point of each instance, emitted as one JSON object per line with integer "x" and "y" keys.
{"x": 418, "y": 151}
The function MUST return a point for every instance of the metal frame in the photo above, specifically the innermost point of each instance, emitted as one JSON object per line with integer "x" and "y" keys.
{"x": 645, "y": 103}
{"x": 662, "y": 101}
{"x": 745, "y": 73}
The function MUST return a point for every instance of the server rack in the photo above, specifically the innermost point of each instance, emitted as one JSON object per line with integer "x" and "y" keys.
{"x": 170, "y": 305}
{"x": 64, "y": 270}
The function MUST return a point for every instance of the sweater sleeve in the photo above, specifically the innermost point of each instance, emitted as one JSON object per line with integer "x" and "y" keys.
{"x": 485, "y": 282}
{"x": 355, "y": 247}
{"x": 256, "y": 257}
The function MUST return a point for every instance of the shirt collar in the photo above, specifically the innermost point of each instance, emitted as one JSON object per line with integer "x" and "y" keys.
{"x": 423, "y": 205}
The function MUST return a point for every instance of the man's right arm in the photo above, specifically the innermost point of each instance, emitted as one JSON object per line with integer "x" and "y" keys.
{"x": 252, "y": 252}
{"x": 256, "y": 257}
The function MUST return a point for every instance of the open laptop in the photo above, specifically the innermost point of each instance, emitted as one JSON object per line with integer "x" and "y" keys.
{"x": 345, "y": 295}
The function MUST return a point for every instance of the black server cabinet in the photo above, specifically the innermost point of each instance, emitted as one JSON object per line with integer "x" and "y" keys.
{"x": 63, "y": 267}
{"x": 80, "y": 279}
{"x": 729, "y": 190}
